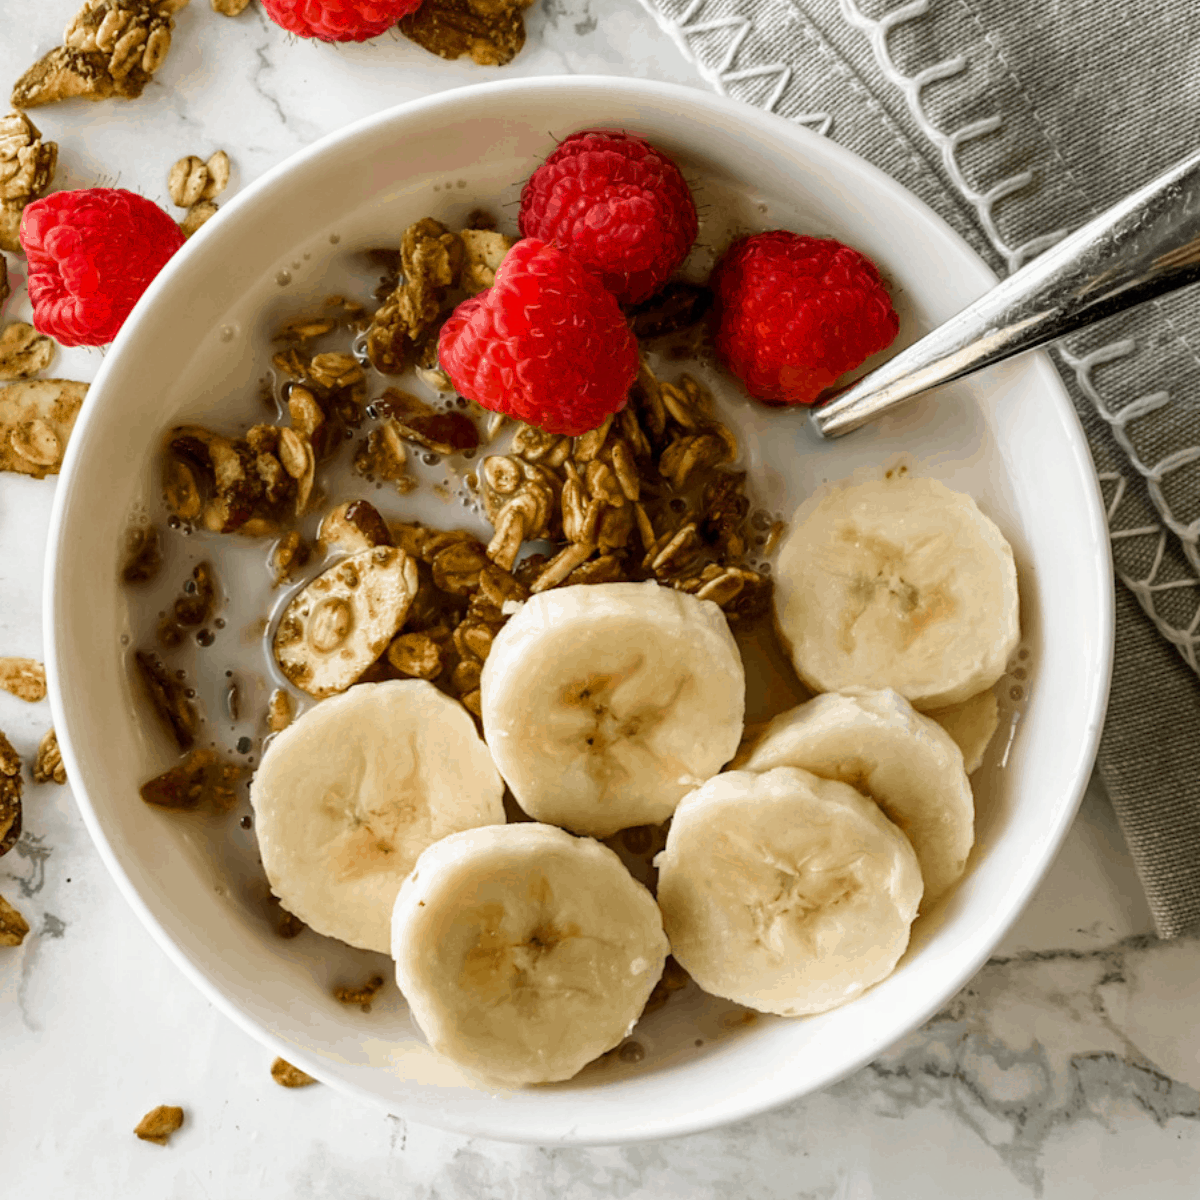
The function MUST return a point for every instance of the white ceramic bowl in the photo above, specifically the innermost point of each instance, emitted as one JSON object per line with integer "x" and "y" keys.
{"x": 1009, "y": 437}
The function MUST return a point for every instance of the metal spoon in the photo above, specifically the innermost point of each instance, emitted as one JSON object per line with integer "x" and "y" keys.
{"x": 1142, "y": 248}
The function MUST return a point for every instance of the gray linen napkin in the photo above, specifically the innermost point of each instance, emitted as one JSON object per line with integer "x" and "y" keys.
{"x": 1019, "y": 120}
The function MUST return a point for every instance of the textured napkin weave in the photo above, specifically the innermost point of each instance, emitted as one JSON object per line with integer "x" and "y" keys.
{"x": 1018, "y": 121}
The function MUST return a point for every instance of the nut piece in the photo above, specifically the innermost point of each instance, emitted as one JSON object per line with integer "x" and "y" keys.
{"x": 362, "y": 996}
{"x": 483, "y": 252}
{"x": 231, "y": 8}
{"x": 201, "y": 779}
{"x": 10, "y": 796}
{"x": 48, "y": 766}
{"x": 36, "y": 419}
{"x": 159, "y": 1123}
{"x": 26, "y": 171}
{"x": 343, "y": 621}
{"x": 5, "y": 290}
{"x": 490, "y": 31}
{"x": 13, "y": 926}
{"x": 23, "y": 351}
{"x": 355, "y": 525}
{"x": 282, "y": 1071}
{"x": 25, "y": 678}
{"x": 110, "y": 48}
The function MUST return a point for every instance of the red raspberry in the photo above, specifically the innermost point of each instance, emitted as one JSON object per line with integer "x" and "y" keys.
{"x": 614, "y": 202}
{"x": 338, "y": 20}
{"x": 546, "y": 343}
{"x": 795, "y": 313}
{"x": 92, "y": 254}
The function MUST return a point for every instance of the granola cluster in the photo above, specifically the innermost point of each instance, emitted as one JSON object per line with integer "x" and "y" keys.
{"x": 260, "y": 484}
{"x": 195, "y": 184}
{"x": 110, "y": 48}
{"x": 26, "y": 170}
{"x": 490, "y": 32}
{"x": 36, "y": 420}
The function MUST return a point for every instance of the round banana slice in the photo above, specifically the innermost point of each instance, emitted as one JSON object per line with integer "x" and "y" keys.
{"x": 605, "y": 704}
{"x": 785, "y": 892}
{"x": 972, "y": 724}
{"x": 349, "y": 794}
{"x": 524, "y": 952}
{"x": 908, "y": 764}
{"x": 898, "y": 583}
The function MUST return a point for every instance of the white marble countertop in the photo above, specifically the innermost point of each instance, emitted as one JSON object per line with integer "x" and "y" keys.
{"x": 1069, "y": 1067}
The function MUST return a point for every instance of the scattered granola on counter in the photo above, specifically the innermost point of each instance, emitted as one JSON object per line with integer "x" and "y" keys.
{"x": 229, "y": 8}
{"x": 282, "y": 1071}
{"x": 362, "y": 996}
{"x": 159, "y": 1124}
{"x": 48, "y": 765}
{"x": 13, "y": 926}
{"x": 23, "y": 351}
{"x": 193, "y": 179}
{"x": 491, "y": 32}
{"x": 36, "y": 420}
{"x": 110, "y": 48}
{"x": 25, "y": 678}
{"x": 26, "y": 170}
{"x": 197, "y": 215}
{"x": 10, "y": 795}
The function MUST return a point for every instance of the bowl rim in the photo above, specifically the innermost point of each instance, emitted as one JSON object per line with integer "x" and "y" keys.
{"x": 696, "y": 101}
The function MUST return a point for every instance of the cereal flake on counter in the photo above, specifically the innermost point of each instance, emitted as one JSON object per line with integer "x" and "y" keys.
{"x": 192, "y": 179}
{"x": 110, "y": 48}
{"x": 159, "y": 1124}
{"x": 48, "y": 765}
{"x": 26, "y": 170}
{"x": 25, "y": 678}
{"x": 36, "y": 420}
{"x": 229, "y": 8}
{"x": 23, "y": 351}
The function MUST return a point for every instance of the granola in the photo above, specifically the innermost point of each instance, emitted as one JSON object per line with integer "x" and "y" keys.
{"x": 230, "y": 8}
{"x": 110, "y": 48}
{"x": 36, "y": 420}
{"x": 23, "y": 351}
{"x": 362, "y": 995}
{"x": 10, "y": 796}
{"x": 201, "y": 779}
{"x": 48, "y": 765}
{"x": 26, "y": 170}
{"x": 25, "y": 678}
{"x": 491, "y": 32}
{"x": 159, "y": 1124}
{"x": 169, "y": 696}
{"x": 13, "y": 926}
{"x": 143, "y": 554}
{"x": 282, "y": 1071}
{"x": 197, "y": 215}
{"x": 431, "y": 258}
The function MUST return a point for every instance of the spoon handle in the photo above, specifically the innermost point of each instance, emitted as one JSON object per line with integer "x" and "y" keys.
{"x": 1142, "y": 248}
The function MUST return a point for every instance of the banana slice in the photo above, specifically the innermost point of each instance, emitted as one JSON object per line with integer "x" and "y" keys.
{"x": 604, "y": 704}
{"x": 785, "y": 892}
{"x": 909, "y": 765}
{"x": 972, "y": 724}
{"x": 898, "y": 583}
{"x": 524, "y": 952}
{"x": 349, "y": 794}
